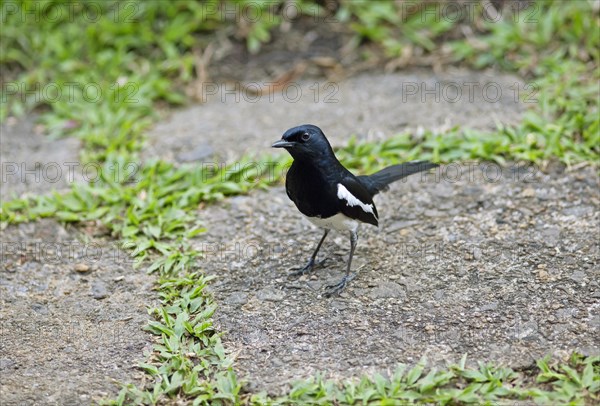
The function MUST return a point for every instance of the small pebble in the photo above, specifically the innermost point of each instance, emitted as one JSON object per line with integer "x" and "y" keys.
{"x": 99, "y": 290}
{"x": 529, "y": 192}
{"x": 543, "y": 276}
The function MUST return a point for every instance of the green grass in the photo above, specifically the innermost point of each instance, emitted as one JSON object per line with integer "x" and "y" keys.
{"x": 555, "y": 44}
{"x": 141, "y": 57}
{"x": 112, "y": 61}
{"x": 569, "y": 383}
{"x": 189, "y": 361}
{"x": 138, "y": 53}
{"x": 152, "y": 213}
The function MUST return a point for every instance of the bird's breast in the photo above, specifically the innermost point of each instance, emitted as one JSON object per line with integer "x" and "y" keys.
{"x": 310, "y": 192}
{"x": 339, "y": 222}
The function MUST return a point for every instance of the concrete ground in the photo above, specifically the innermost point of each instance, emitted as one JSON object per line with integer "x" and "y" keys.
{"x": 499, "y": 263}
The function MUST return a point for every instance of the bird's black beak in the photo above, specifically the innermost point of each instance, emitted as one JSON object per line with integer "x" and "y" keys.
{"x": 282, "y": 144}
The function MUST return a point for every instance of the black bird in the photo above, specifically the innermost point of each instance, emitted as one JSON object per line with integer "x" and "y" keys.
{"x": 329, "y": 195}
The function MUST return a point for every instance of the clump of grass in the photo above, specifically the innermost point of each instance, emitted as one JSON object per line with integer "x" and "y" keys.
{"x": 111, "y": 72}
{"x": 152, "y": 210}
{"x": 189, "y": 360}
{"x": 575, "y": 382}
{"x": 99, "y": 68}
{"x": 546, "y": 42}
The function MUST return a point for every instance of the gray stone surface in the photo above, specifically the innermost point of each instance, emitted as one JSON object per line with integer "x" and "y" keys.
{"x": 499, "y": 275}
{"x": 370, "y": 106}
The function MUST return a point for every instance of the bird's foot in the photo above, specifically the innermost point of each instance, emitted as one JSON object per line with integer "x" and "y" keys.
{"x": 312, "y": 264}
{"x": 336, "y": 289}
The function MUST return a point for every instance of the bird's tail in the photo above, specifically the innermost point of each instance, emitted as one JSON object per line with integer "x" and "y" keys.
{"x": 379, "y": 181}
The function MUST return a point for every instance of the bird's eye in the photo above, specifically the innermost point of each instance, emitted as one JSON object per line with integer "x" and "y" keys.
{"x": 305, "y": 137}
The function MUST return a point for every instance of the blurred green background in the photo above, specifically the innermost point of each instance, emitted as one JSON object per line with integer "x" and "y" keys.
{"x": 153, "y": 44}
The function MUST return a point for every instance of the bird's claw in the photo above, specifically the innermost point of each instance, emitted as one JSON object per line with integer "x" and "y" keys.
{"x": 337, "y": 288}
{"x": 312, "y": 264}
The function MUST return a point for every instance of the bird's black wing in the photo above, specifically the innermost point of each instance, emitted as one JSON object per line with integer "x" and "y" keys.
{"x": 356, "y": 202}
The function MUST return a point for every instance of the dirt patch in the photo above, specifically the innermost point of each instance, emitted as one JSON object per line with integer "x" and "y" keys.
{"x": 72, "y": 312}
{"x": 72, "y": 307}
{"x": 370, "y": 106}
{"x": 496, "y": 263}
{"x": 504, "y": 271}
{"x": 30, "y": 162}
{"x": 501, "y": 267}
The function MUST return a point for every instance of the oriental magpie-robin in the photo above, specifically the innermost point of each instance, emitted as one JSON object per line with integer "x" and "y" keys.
{"x": 328, "y": 194}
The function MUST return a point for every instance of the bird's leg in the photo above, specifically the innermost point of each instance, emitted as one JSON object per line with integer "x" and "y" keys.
{"x": 337, "y": 288}
{"x": 311, "y": 263}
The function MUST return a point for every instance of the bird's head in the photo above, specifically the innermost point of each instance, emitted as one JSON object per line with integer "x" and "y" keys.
{"x": 304, "y": 141}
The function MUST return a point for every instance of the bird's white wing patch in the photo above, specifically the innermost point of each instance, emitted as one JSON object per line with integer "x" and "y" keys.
{"x": 351, "y": 200}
